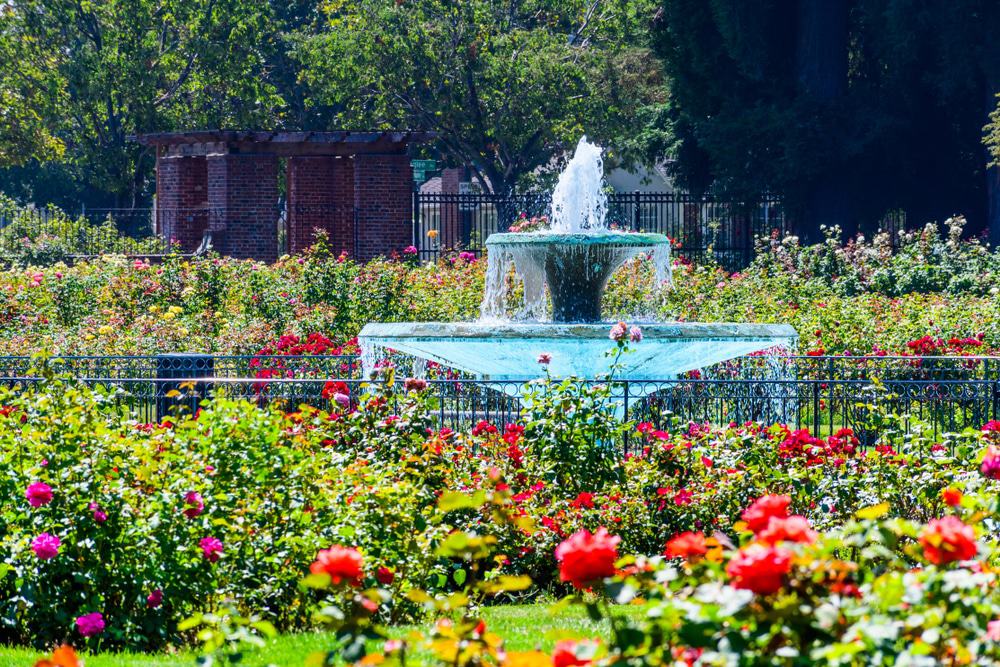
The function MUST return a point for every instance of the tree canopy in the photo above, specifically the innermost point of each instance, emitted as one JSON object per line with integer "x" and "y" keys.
{"x": 846, "y": 107}
{"x": 507, "y": 85}
{"x": 85, "y": 75}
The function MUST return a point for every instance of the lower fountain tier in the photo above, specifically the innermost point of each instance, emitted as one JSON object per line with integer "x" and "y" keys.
{"x": 509, "y": 350}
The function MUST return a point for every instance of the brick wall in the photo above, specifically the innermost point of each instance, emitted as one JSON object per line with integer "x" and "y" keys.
{"x": 243, "y": 196}
{"x": 182, "y": 199}
{"x": 320, "y": 196}
{"x": 383, "y": 199}
{"x": 364, "y": 202}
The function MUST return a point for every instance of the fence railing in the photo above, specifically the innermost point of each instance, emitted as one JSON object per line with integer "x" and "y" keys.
{"x": 44, "y": 233}
{"x": 698, "y": 225}
{"x": 821, "y": 394}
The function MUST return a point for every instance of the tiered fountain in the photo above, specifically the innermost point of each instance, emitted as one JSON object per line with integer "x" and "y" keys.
{"x": 574, "y": 259}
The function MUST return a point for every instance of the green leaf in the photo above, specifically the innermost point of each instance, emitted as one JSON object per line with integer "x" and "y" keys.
{"x": 873, "y": 512}
{"x": 189, "y": 623}
{"x": 455, "y": 500}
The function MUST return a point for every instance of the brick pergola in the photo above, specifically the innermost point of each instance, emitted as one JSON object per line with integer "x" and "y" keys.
{"x": 222, "y": 186}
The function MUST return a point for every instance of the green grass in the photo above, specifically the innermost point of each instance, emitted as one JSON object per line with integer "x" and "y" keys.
{"x": 524, "y": 627}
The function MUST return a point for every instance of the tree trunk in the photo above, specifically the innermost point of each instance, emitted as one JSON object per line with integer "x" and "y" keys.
{"x": 821, "y": 73}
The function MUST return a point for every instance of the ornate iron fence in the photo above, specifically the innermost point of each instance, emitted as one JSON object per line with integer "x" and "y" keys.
{"x": 698, "y": 225}
{"x": 820, "y": 394}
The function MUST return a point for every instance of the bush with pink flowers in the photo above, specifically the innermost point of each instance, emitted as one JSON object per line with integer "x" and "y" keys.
{"x": 147, "y": 525}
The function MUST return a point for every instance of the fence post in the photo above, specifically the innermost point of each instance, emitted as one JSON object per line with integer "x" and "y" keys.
{"x": 816, "y": 418}
{"x": 172, "y": 370}
{"x": 637, "y": 216}
{"x": 625, "y": 416}
{"x": 416, "y": 221}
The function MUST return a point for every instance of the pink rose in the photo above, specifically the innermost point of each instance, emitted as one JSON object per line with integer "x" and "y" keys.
{"x": 211, "y": 548}
{"x": 38, "y": 494}
{"x": 46, "y": 546}
{"x": 91, "y": 624}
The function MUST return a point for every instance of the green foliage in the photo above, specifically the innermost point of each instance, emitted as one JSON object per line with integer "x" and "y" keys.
{"x": 94, "y": 73}
{"x": 508, "y": 85}
{"x": 416, "y": 499}
{"x": 842, "y": 109}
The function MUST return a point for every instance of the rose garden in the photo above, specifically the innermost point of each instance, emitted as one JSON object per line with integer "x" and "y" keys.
{"x": 521, "y": 333}
{"x": 357, "y": 524}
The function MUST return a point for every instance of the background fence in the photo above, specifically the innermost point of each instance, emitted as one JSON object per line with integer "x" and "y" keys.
{"x": 441, "y": 222}
{"x": 696, "y": 224}
{"x": 821, "y": 394}
{"x": 43, "y": 233}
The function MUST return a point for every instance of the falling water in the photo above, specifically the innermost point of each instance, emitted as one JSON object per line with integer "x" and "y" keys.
{"x": 578, "y": 202}
{"x": 579, "y": 206}
{"x": 494, "y": 306}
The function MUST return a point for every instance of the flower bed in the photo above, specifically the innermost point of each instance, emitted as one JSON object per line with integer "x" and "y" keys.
{"x": 146, "y": 525}
{"x": 859, "y": 299}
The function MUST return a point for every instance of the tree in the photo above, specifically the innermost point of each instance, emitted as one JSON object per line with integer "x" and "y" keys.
{"x": 97, "y": 72}
{"x": 846, "y": 107}
{"x": 507, "y": 85}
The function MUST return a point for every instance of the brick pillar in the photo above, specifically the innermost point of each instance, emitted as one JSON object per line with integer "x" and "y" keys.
{"x": 182, "y": 199}
{"x": 320, "y": 196}
{"x": 383, "y": 199}
{"x": 243, "y": 196}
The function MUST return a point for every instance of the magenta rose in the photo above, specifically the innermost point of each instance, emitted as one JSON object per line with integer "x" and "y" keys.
{"x": 211, "y": 548}
{"x": 91, "y": 624}
{"x": 154, "y": 599}
{"x": 45, "y": 546}
{"x": 100, "y": 516}
{"x": 38, "y": 494}
{"x": 193, "y": 504}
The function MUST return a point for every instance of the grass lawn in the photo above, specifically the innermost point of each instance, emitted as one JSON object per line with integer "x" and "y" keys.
{"x": 524, "y": 627}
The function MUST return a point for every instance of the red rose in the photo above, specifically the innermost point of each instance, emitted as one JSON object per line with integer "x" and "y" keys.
{"x": 334, "y": 387}
{"x": 759, "y": 568}
{"x": 341, "y": 563}
{"x": 759, "y": 514}
{"x": 686, "y": 545}
{"x": 948, "y": 539}
{"x": 570, "y": 653}
{"x": 952, "y": 497}
{"x": 385, "y": 576}
{"x": 583, "y": 499}
{"x": 790, "y": 529}
{"x": 585, "y": 558}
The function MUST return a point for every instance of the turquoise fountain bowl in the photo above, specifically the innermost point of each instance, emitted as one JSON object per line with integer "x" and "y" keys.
{"x": 508, "y": 351}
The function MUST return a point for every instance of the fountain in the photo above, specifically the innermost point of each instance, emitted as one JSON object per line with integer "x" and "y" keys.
{"x": 574, "y": 259}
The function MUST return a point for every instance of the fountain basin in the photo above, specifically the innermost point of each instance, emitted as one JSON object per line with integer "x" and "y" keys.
{"x": 507, "y": 351}
{"x": 575, "y": 266}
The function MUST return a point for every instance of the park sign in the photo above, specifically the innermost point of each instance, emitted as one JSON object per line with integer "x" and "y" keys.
{"x": 421, "y": 168}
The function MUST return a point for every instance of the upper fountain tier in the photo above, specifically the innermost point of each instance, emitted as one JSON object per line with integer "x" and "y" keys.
{"x": 576, "y": 267}
{"x": 575, "y": 256}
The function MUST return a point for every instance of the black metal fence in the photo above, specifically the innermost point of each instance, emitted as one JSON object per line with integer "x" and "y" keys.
{"x": 49, "y": 234}
{"x": 697, "y": 225}
{"x": 821, "y": 394}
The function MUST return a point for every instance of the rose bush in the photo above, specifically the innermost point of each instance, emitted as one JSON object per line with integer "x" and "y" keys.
{"x": 149, "y": 524}
{"x": 924, "y": 295}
